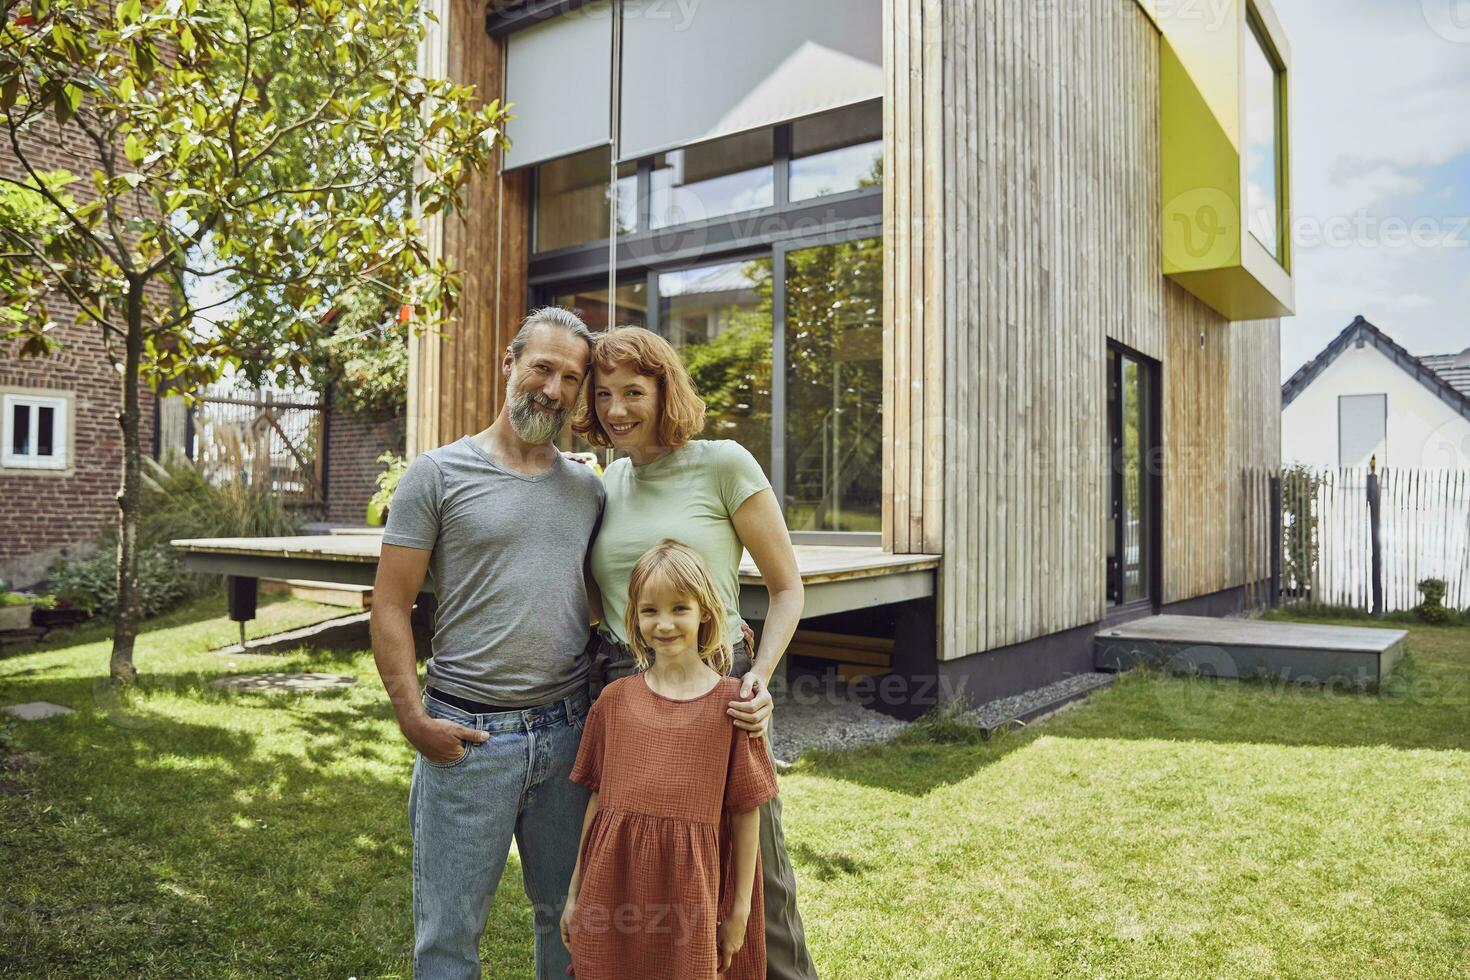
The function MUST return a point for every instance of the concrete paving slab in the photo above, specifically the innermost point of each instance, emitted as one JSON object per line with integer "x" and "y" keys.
{"x": 36, "y": 710}
{"x": 303, "y": 683}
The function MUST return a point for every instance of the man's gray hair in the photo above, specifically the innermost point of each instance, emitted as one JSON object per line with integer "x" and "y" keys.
{"x": 551, "y": 316}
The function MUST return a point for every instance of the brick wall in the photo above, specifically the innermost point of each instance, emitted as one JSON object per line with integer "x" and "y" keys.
{"x": 353, "y": 446}
{"x": 46, "y": 515}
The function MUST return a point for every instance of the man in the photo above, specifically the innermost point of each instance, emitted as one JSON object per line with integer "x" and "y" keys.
{"x": 502, "y": 523}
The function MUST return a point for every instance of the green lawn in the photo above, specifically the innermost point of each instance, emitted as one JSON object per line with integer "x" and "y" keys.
{"x": 1167, "y": 828}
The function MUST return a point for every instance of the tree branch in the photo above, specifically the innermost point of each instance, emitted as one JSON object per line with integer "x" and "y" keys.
{"x": 57, "y": 279}
{"x": 46, "y": 193}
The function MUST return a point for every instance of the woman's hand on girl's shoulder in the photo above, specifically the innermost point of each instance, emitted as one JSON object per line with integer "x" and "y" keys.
{"x": 753, "y": 714}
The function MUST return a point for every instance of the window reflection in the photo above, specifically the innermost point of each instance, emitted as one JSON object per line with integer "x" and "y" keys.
{"x": 719, "y": 319}
{"x": 590, "y": 303}
{"x": 20, "y": 430}
{"x": 721, "y": 177}
{"x": 834, "y": 377}
{"x": 1263, "y": 153}
{"x": 1136, "y": 504}
{"x": 572, "y": 199}
{"x": 837, "y": 152}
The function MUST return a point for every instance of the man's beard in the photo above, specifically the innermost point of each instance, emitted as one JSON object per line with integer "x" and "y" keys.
{"x": 534, "y": 426}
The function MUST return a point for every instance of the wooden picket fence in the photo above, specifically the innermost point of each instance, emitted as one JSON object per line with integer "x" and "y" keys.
{"x": 1327, "y": 531}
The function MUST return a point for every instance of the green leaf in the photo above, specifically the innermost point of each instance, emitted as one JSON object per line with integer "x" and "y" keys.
{"x": 8, "y": 92}
{"x": 133, "y": 147}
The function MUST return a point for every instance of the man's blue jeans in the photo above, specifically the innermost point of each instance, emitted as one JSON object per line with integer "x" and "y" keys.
{"x": 463, "y": 815}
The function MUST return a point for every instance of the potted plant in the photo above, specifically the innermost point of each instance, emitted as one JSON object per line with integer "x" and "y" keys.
{"x": 377, "y": 508}
{"x": 15, "y": 609}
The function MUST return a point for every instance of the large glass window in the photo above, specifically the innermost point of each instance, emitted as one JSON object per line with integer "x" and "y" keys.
{"x": 837, "y": 152}
{"x": 834, "y": 387}
{"x": 711, "y": 179}
{"x": 719, "y": 319}
{"x": 591, "y": 304}
{"x": 572, "y": 200}
{"x": 1262, "y": 143}
{"x": 816, "y": 427}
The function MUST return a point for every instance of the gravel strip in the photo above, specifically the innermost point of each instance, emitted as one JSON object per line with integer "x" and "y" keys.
{"x": 994, "y": 713}
{"x": 822, "y": 713}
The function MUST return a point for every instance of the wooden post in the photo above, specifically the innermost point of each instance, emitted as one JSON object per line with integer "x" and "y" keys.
{"x": 1274, "y": 529}
{"x": 1373, "y": 520}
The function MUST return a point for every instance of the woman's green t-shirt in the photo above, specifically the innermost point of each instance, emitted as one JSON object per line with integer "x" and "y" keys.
{"x": 691, "y": 496}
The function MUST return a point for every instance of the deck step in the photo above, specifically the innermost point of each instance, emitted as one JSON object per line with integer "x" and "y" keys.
{"x": 855, "y": 655}
{"x": 326, "y": 593}
{"x": 1253, "y": 648}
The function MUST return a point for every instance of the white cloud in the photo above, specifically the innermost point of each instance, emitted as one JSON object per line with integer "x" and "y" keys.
{"x": 1380, "y": 122}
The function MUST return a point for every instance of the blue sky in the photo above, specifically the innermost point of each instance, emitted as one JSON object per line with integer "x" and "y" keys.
{"x": 1380, "y": 139}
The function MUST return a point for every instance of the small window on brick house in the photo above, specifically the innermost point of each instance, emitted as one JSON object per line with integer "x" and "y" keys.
{"x": 34, "y": 431}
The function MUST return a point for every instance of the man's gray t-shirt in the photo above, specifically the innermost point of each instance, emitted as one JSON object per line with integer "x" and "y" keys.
{"x": 507, "y": 568}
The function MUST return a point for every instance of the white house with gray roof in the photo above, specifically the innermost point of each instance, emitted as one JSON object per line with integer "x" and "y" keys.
{"x": 1365, "y": 396}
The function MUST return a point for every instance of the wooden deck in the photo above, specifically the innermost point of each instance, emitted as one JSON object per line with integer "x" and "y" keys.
{"x": 1240, "y": 648}
{"x": 836, "y": 579}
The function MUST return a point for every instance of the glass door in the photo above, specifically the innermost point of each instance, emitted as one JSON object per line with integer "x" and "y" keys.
{"x": 832, "y": 426}
{"x": 1133, "y": 484}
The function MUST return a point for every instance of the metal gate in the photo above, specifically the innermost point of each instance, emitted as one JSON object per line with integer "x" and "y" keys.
{"x": 263, "y": 438}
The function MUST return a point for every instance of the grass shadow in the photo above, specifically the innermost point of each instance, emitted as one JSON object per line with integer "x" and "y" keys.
{"x": 177, "y": 829}
{"x": 911, "y": 764}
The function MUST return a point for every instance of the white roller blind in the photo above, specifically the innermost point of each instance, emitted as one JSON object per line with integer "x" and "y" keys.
{"x": 735, "y": 65}
{"x": 559, "y": 75}
{"x": 1362, "y": 429}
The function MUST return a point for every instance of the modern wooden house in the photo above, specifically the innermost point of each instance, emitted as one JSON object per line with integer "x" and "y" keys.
{"x": 992, "y": 282}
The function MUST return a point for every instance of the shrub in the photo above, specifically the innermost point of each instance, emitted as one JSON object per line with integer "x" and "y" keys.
{"x": 90, "y": 584}
{"x": 1432, "y": 610}
{"x": 1317, "y": 610}
{"x": 182, "y": 503}
{"x": 178, "y": 503}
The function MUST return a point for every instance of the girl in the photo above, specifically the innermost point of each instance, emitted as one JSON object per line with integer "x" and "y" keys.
{"x": 712, "y": 495}
{"x": 667, "y": 882}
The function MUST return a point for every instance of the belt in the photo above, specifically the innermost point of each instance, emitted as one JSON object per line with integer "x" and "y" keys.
{"x": 469, "y": 704}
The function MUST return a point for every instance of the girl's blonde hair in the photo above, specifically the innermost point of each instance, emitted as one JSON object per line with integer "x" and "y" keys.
{"x": 684, "y": 571}
{"x": 681, "y": 410}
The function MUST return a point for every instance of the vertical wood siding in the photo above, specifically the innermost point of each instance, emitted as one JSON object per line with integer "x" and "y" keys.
{"x": 914, "y": 335}
{"x": 455, "y": 386}
{"x": 1222, "y": 433}
{"x": 1046, "y": 236}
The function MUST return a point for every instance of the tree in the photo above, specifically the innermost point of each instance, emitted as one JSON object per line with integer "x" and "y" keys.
{"x": 215, "y": 175}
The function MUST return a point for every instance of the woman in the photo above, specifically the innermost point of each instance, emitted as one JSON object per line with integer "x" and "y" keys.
{"x": 713, "y": 496}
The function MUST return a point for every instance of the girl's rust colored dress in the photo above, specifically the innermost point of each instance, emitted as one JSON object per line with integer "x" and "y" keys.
{"x": 657, "y": 861}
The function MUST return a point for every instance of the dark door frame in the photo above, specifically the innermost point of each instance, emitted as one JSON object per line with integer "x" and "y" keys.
{"x": 1153, "y": 473}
